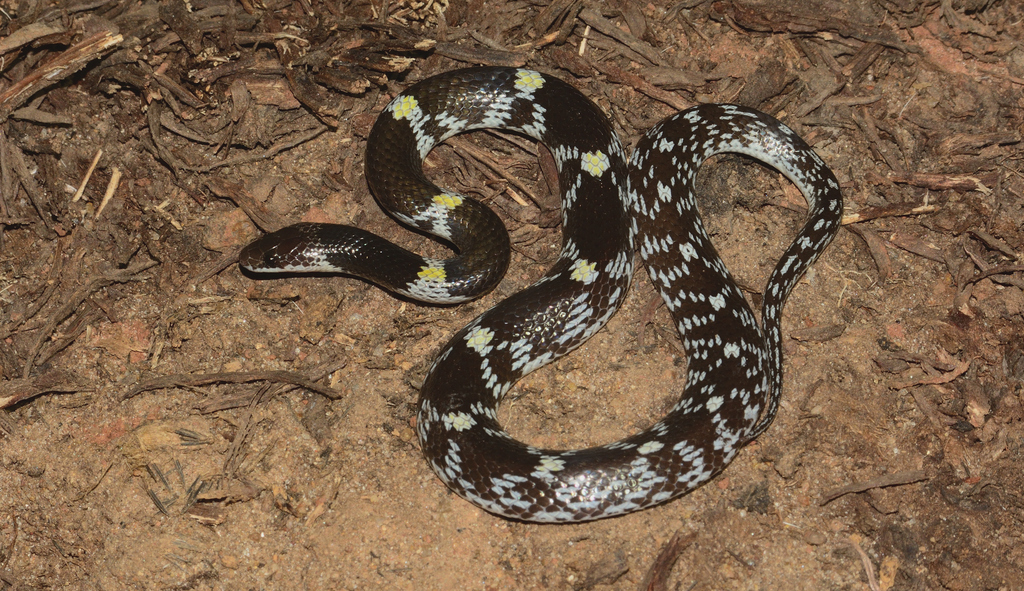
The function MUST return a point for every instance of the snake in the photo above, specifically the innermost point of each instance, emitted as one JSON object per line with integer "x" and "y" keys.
{"x": 611, "y": 208}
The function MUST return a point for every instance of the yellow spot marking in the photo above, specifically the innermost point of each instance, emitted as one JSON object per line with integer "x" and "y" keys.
{"x": 529, "y": 80}
{"x": 432, "y": 274}
{"x": 405, "y": 106}
{"x": 595, "y": 163}
{"x": 480, "y": 338}
{"x": 583, "y": 271}
{"x": 448, "y": 200}
{"x": 459, "y": 421}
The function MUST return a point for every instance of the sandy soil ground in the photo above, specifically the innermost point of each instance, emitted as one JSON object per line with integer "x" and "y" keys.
{"x": 165, "y": 423}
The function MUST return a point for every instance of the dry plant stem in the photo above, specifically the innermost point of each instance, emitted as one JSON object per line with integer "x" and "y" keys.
{"x": 866, "y": 123}
{"x": 7, "y": 426}
{"x": 764, "y": 18}
{"x": 82, "y": 322}
{"x": 876, "y": 247}
{"x": 234, "y": 401}
{"x": 996, "y": 270}
{"x": 28, "y": 181}
{"x": 263, "y": 218}
{"x": 51, "y": 287}
{"x": 75, "y": 300}
{"x": 235, "y": 457}
{"x": 281, "y": 146}
{"x": 943, "y": 378}
{"x": 55, "y": 70}
{"x": 480, "y": 55}
{"x": 880, "y": 482}
{"x": 887, "y": 212}
{"x": 869, "y": 569}
{"x": 928, "y": 409}
{"x": 553, "y": 13}
{"x": 18, "y": 390}
{"x": 281, "y": 377}
{"x": 85, "y": 492}
{"x": 594, "y": 19}
{"x": 657, "y": 576}
{"x": 26, "y": 35}
{"x": 115, "y": 180}
{"x": 942, "y": 182}
{"x": 225, "y": 261}
{"x": 916, "y": 246}
{"x": 88, "y": 175}
{"x": 619, "y": 76}
{"x": 156, "y": 144}
{"x": 994, "y": 243}
{"x": 470, "y": 150}
{"x": 7, "y": 183}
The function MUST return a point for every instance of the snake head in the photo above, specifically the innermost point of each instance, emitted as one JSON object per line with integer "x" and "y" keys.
{"x": 284, "y": 251}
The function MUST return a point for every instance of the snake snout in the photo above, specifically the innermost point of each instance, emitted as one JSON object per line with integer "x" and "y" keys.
{"x": 271, "y": 252}
{"x": 251, "y": 257}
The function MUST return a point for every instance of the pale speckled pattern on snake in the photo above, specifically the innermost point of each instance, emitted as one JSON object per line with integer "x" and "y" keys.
{"x": 734, "y": 376}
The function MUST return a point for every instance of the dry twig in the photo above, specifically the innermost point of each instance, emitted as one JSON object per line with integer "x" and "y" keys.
{"x": 75, "y": 300}
{"x": 53, "y": 71}
{"x": 657, "y": 576}
{"x": 880, "y": 482}
{"x": 203, "y": 379}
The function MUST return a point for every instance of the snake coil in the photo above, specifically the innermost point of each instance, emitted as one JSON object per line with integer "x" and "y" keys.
{"x": 609, "y": 207}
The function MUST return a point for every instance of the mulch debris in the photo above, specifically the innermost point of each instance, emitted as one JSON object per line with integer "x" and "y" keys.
{"x": 168, "y": 422}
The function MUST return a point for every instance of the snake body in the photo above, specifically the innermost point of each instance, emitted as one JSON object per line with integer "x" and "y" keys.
{"x": 734, "y": 374}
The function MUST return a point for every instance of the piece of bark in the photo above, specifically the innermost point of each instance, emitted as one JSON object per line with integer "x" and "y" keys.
{"x": 56, "y": 69}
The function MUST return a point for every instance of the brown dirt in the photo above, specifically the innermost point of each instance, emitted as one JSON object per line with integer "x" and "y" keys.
{"x": 905, "y": 361}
